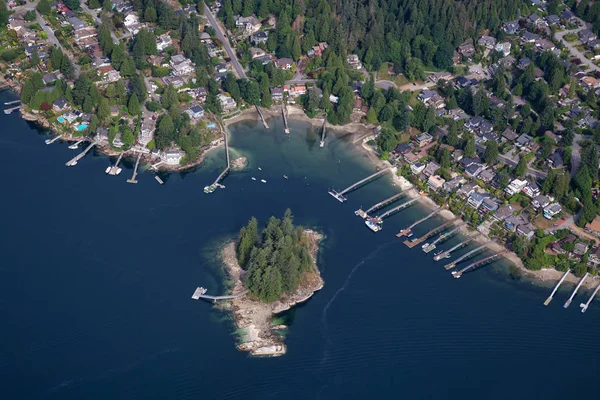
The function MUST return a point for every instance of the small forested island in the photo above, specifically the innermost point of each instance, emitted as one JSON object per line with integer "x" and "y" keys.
{"x": 278, "y": 269}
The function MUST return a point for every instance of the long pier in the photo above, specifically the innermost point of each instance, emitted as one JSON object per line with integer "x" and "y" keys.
{"x": 137, "y": 164}
{"x": 216, "y": 183}
{"x": 443, "y": 236}
{"x": 549, "y": 299}
{"x": 10, "y": 110}
{"x": 262, "y": 117}
{"x": 200, "y": 293}
{"x": 385, "y": 202}
{"x": 433, "y": 231}
{"x": 465, "y": 256}
{"x": 586, "y": 305}
{"x": 408, "y": 229}
{"x": 78, "y": 157}
{"x": 322, "y": 144}
{"x": 54, "y": 139}
{"x": 397, "y": 208}
{"x": 447, "y": 253}
{"x": 568, "y": 303}
{"x": 285, "y": 121}
{"x": 458, "y": 274}
{"x": 114, "y": 169}
{"x": 340, "y": 195}
{"x": 75, "y": 145}
{"x": 8, "y": 103}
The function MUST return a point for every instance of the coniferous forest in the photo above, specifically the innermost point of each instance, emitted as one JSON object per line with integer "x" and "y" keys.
{"x": 275, "y": 258}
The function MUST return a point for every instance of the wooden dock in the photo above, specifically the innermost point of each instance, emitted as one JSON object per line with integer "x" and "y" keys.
{"x": 549, "y": 299}
{"x": 584, "y": 306}
{"x": 158, "y": 179}
{"x": 54, "y": 139}
{"x": 137, "y": 164}
{"x": 322, "y": 144}
{"x": 568, "y": 303}
{"x": 78, "y": 157}
{"x": 114, "y": 169}
{"x": 420, "y": 240}
{"x": 200, "y": 293}
{"x": 10, "y": 110}
{"x": 285, "y": 121}
{"x": 262, "y": 117}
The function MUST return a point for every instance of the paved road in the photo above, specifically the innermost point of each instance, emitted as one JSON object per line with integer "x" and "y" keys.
{"x": 217, "y": 27}
{"x": 299, "y": 81}
{"x": 513, "y": 163}
{"x": 52, "y": 38}
{"x": 576, "y": 154}
{"x": 97, "y": 20}
{"x": 574, "y": 52}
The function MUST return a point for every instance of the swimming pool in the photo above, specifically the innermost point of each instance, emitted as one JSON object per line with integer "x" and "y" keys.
{"x": 81, "y": 127}
{"x": 61, "y": 120}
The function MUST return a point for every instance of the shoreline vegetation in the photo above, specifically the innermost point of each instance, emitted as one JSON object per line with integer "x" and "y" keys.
{"x": 279, "y": 270}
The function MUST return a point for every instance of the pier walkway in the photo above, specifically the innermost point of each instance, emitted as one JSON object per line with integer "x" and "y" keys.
{"x": 340, "y": 195}
{"x": 322, "y": 144}
{"x": 50, "y": 141}
{"x": 78, "y": 157}
{"x": 137, "y": 164}
{"x": 466, "y": 255}
{"x": 286, "y": 128}
{"x": 262, "y": 117}
{"x": 200, "y": 293}
{"x": 443, "y": 236}
{"x": 8, "y": 103}
{"x": 458, "y": 274}
{"x": 75, "y": 145}
{"x": 568, "y": 303}
{"x": 406, "y": 231}
{"x": 385, "y": 202}
{"x": 549, "y": 299}
{"x": 397, "y": 208}
{"x": 586, "y": 305}
{"x": 211, "y": 188}
{"x": 10, "y": 110}
{"x": 433, "y": 231}
{"x": 447, "y": 253}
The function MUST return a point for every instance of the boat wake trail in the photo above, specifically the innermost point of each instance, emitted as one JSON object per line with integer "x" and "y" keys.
{"x": 341, "y": 289}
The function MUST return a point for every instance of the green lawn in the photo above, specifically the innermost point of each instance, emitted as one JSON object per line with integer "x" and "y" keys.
{"x": 383, "y": 75}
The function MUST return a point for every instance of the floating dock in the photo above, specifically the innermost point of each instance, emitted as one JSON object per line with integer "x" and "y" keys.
{"x": 340, "y": 195}
{"x": 200, "y": 293}
{"x": 586, "y": 305}
{"x": 54, "y": 139}
{"x": 465, "y": 256}
{"x": 405, "y": 232}
{"x": 216, "y": 184}
{"x": 75, "y": 146}
{"x": 114, "y": 169}
{"x": 10, "y": 110}
{"x": 549, "y": 299}
{"x": 158, "y": 179}
{"x": 458, "y": 274}
{"x": 413, "y": 243}
{"x": 568, "y": 303}
{"x": 78, "y": 157}
{"x": 262, "y": 117}
{"x": 443, "y": 236}
{"x": 137, "y": 164}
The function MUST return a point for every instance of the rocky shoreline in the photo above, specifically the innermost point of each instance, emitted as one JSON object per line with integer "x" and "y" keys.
{"x": 255, "y": 318}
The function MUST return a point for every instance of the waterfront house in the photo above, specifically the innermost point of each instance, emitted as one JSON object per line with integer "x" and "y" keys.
{"x": 417, "y": 167}
{"x": 467, "y": 189}
{"x": 503, "y": 212}
{"x": 476, "y": 199}
{"x": 526, "y": 230}
{"x": 277, "y": 93}
{"x": 146, "y": 131}
{"x": 60, "y": 105}
{"x": 435, "y": 182}
{"x": 594, "y": 257}
{"x": 227, "y": 103}
{"x": 172, "y": 157}
{"x": 117, "y": 142}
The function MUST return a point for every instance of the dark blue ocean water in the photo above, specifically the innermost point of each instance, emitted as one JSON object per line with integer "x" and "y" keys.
{"x": 96, "y": 278}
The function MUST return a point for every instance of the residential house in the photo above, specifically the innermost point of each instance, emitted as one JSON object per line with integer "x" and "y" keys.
{"x": 536, "y": 20}
{"x": 589, "y": 82}
{"x": 258, "y": 38}
{"x": 417, "y": 167}
{"x": 476, "y": 199}
{"x": 163, "y": 41}
{"x": 553, "y": 19}
{"x": 487, "y": 41}
{"x": 551, "y": 210}
{"x": 172, "y": 157}
{"x": 544, "y": 45}
{"x": 523, "y": 62}
{"x": 503, "y": 48}
{"x": 515, "y": 186}
{"x": 489, "y": 205}
{"x": 402, "y": 149}
{"x": 296, "y": 90}
{"x": 580, "y": 249}
{"x": 264, "y": 59}
{"x": 284, "y": 63}
{"x": 102, "y": 135}
{"x": 467, "y": 189}
{"x": 109, "y": 74}
{"x": 503, "y": 212}
{"x": 117, "y": 141}
{"x": 256, "y": 52}
{"x": 205, "y": 37}
{"x": 277, "y": 93}
{"x": 250, "y": 24}
{"x": 526, "y": 230}
{"x": 567, "y": 15}
{"x": 452, "y": 185}
{"x": 540, "y": 201}
{"x": 354, "y": 61}
{"x": 60, "y": 105}
{"x": 466, "y": 50}
{"x": 100, "y": 62}
{"x": 227, "y": 103}
{"x": 528, "y": 37}
{"x": 423, "y": 139}
{"x": 426, "y": 95}
{"x": 440, "y": 76}
{"x": 181, "y": 66}
{"x": 511, "y": 27}
{"x": 594, "y": 257}
{"x": 509, "y": 135}
{"x": 532, "y": 189}
{"x": 593, "y": 227}
{"x": 132, "y": 23}
{"x": 487, "y": 175}
{"x": 85, "y": 33}
{"x": 175, "y": 81}
{"x": 431, "y": 168}
{"x": 195, "y": 111}
{"x": 435, "y": 182}
{"x": 586, "y": 35}
{"x": 523, "y": 141}
{"x": 156, "y": 61}
{"x": 457, "y": 155}
{"x": 146, "y": 131}
{"x": 76, "y": 23}
{"x": 49, "y": 78}
{"x": 473, "y": 170}
{"x": 474, "y": 123}
{"x": 556, "y": 160}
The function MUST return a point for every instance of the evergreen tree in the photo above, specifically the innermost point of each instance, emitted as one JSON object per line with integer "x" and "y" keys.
{"x": 248, "y": 237}
{"x": 3, "y": 14}
{"x": 491, "y": 152}
{"x": 470, "y": 148}
{"x": 452, "y": 137}
{"x": 150, "y": 14}
{"x": 43, "y": 7}
{"x": 265, "y": 94}
{"x": 520, "y": 168}
{"x": 134, "y": 105}
{"x": 27, "y": 91}
{"x": 103, "y": 111}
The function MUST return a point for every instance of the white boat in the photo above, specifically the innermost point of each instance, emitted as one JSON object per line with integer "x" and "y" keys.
{"x": 253, "y": 178}
{"x": 425, "y": 245}
{"x": 107, "y": 169}
{"x": 259, "y": 168}
{"x": 73, "y": 147}
{"x": 119, "y": 171}
{"x": 285, "y": 176}
{"x": 263, "y": 181}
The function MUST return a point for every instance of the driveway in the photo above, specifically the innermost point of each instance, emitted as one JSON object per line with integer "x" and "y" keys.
{"x": 217, "y": 27}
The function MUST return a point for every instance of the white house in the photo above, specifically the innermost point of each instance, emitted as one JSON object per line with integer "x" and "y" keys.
{"x": 172, "y": 157}
{"x": 227, "y": 103}
{"x": 163, "y": 41}
{"x": 515, "y": 187}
